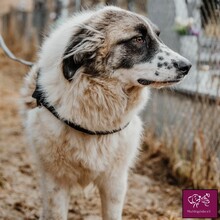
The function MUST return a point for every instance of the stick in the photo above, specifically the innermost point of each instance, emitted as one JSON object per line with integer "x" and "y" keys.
{"x": 11, "y": 55}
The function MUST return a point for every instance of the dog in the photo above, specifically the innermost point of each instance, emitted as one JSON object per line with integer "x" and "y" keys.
{"x": 81, "y": 100}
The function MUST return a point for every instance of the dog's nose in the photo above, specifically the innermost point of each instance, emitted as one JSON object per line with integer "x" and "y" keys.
{"x": 182, "y": 66}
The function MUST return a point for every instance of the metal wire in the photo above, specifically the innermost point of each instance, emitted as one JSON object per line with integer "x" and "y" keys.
{"x": 11, "y": 55}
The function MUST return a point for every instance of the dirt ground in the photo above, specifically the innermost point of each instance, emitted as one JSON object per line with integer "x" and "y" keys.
{"x": 152, "y": 194}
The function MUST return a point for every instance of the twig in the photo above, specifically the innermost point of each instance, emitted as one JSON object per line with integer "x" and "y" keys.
{"x": 11, "y": 55}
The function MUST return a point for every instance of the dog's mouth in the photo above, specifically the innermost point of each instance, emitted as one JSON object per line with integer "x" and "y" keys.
{"x": 146, "y": 82}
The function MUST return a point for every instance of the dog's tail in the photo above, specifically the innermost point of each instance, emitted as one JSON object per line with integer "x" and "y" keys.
{"x": 27, "y": 101}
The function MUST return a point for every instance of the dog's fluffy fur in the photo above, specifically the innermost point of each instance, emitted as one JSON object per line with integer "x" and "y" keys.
{"x": 94, "y": 70}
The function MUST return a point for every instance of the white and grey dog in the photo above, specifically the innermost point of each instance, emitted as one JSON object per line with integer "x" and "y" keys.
{"x": 81, "y": 102}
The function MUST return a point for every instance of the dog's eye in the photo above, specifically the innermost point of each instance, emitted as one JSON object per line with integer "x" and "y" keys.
{"x": 139, "y": 40}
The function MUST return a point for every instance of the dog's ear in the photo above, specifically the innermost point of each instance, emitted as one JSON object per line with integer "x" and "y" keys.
{"x": 81, "y": 49}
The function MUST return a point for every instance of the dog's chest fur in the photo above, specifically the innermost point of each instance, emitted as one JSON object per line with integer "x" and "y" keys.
{"x": 71, "y": 156}
{"x": 98, "y": 104}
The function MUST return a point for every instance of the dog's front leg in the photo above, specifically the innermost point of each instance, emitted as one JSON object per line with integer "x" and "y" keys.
{"x": 55, "y": 200}
{"x": 112, "y": 190}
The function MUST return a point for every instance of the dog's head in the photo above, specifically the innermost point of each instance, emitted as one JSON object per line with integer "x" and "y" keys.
{"x": 124, "y": 45}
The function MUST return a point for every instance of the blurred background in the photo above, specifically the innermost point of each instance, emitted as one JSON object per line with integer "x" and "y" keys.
{"x": 182, "y": 139}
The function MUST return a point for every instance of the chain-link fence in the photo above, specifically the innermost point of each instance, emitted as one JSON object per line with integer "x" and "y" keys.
{"x": 186, "y": 118}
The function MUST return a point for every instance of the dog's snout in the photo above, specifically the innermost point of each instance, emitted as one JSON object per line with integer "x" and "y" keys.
{"x": 182, "y": 66}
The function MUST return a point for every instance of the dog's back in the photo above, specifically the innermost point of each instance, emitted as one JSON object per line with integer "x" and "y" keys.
{"x": 27, "y": 101}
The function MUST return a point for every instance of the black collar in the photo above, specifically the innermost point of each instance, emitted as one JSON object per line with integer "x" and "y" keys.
{"x": 41, "y": 101}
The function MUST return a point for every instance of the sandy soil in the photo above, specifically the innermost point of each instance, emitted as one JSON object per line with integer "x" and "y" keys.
{"x": 152, "y": 193}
